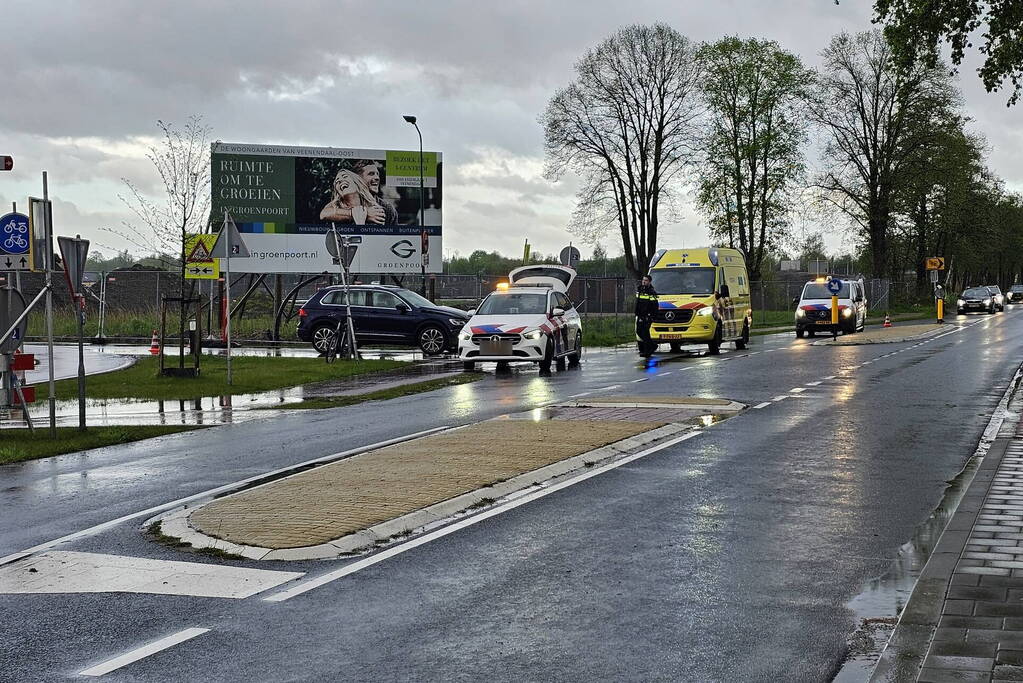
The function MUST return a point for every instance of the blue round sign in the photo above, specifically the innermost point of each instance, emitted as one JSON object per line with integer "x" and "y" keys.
{"x": 834, "y": 286}
{"x": 14, "y": 237}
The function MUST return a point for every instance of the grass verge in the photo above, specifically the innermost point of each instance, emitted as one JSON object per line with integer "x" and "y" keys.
{"x": 17, "y": 445}
{"x": 155, "y": 531}
{"x": 382, "y": 395}
{"x": 249, "y": 374}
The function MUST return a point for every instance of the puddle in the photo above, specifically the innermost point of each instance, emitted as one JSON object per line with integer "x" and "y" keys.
{"x": 878, "y": 607}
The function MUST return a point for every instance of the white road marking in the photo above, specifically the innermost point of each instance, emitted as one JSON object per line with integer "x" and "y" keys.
{"x": 830, "y": 377}
{"x": 812, "y": 384}
{"x": 663, "y": 374}
{"x": 608, "y": 388}
{"x": 779, "y": 398}
{"x": 585, "y": 393}
{"x": 797, "y": 390}
{"x": 148, "y": 512}
{"x": 359, "y": 565}
{"x": 641, "y": 379}
{"x": 762, "y": 405}
{"x": 143, "y": 652}
{"x": 59, "y": 571}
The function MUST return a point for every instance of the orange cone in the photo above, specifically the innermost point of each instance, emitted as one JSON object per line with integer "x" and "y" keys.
{"x": 154, "y": 347}
{"x": 887, "y": 321}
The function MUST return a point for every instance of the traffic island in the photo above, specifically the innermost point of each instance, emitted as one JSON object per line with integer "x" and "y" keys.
{"x": 367, "y": 500}
{"x": 887, "y": 335}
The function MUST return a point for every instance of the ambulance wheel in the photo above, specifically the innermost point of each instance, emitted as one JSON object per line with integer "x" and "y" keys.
{"x": 800, "y": 333}
{"x": 714, "y": 346}
{"x": 676, "y": 347}
{"x": 743, "y": 341}
{"x": 548, "y": 358}
{"x": 810, "y": 333}
{"x": 559, "y": 363}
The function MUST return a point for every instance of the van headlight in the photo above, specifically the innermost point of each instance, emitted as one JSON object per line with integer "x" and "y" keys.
{"x": 534, "y": 335}
{"x": 846, "y": 312}
{"x": 800, "y": 313}
{"x": 707, "y": 310}
{"x": 465, "y": 334}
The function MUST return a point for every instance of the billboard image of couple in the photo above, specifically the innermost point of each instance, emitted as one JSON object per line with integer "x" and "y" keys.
{"x": 285, "y": 198}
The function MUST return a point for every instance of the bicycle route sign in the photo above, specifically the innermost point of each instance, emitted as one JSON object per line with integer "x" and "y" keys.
{"x": 15, "y": 242}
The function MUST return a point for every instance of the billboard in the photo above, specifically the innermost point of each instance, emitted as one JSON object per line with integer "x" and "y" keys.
{"x": 284, "y": 199}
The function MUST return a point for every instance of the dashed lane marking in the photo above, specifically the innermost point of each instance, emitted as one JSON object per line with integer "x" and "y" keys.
{"x": 779, "y": 398}
{"x": 762, "y": 405}
{"x": 310, "y": 584}
{"x": 813, "y": 384}
{"x": 143, "y": 652}
{"x": 663, "y": 374}
{"x": 641, "y": 379}
{"x": 797, "y": 390}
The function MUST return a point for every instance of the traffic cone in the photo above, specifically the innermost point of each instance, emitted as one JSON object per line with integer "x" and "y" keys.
{"x": 154, "y": 347}
{"x": 887, "y": 321}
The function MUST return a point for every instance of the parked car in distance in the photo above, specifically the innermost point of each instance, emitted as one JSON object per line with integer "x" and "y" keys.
{"x": 381, "y": 314}
{"x": 975, "y": 299}
{"x": 1015, "y": 294}
{"x": 997, "y": 296}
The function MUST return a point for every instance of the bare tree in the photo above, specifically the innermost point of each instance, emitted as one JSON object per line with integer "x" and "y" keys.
{"x": 624, "y": 126}
{"x": 163, "y": 224}
{"x": 870, "y": 112}
{"x": 752, "y": 161}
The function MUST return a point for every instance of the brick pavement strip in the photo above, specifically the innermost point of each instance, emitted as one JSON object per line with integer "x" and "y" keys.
{"x": 972, "y": 586}
{"x": 347, "y": 496}
{"x": 888, "y": 335}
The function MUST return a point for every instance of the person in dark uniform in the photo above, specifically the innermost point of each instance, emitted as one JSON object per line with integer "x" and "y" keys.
{"x": 646, "y": 306}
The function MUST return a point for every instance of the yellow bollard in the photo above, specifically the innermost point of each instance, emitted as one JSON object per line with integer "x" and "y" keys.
{"x": 941, "y": 310}
{"x": 834, "y": 310}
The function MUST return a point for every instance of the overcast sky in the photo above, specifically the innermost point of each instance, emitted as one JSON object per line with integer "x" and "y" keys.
{"x": 83, "y": 84}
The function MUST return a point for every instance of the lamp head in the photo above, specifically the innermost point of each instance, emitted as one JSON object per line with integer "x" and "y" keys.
{"x": 410, "y": 119}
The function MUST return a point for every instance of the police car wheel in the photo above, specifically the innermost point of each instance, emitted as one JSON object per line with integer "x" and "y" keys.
{"x": 576, "y": 355}
{"x": 469, "y": 366}
{"x": 548, "y": 357}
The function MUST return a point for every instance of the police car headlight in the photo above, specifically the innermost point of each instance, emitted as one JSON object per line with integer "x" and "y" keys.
{"x": 960, "y": 303}
{"x": 535, "y": 334}
{"x": 706, "y": 311}
{"x": 987, "y": 301}
{"x": 800, "y": 313}
{"x": 465, "y": 335}
{"x": 846, "y": 312}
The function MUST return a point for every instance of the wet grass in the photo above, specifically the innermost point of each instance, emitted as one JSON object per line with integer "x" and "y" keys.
{"x": 250, "y": 374}
{"x": 18, "y": 445}
{"x": 382, "y": 395}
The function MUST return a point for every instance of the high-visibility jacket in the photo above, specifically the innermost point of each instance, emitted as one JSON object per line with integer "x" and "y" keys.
{"x": 646, "y": 301}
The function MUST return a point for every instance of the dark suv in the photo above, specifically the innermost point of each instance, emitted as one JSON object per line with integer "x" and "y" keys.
{"x": 381, "y": 315}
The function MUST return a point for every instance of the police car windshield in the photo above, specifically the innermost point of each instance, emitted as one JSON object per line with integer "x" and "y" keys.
{"x": 816, "y": 290}
{"x": 683, "y": 280}
{"x": 513, "y": 304}
{"x": 976, "y": 293}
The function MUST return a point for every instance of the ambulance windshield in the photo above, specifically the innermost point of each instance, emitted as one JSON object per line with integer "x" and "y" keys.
{"x": 683, "y": 280}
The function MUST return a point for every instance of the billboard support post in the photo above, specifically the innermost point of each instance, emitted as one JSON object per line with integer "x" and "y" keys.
{"x": 48, "y": 261}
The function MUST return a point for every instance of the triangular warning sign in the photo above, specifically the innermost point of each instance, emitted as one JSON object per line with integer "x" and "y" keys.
{"x": 199, "y": 253}
{"x": 229, "y": 241}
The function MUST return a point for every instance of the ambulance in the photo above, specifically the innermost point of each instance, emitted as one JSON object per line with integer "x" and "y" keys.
{"x": 703, "y": 297}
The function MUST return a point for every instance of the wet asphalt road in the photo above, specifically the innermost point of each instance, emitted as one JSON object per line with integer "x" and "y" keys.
{"x": 728, "y": 557}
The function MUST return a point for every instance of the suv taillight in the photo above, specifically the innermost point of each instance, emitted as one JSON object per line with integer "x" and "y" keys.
{"x": 302, "y": 313}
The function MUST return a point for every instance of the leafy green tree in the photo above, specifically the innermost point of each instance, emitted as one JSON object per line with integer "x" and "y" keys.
{"x": 915, "y": 30}
{"x": 870, "y": 112}
{"x": 624, "y": 126}
{"x": 752, "y": 160}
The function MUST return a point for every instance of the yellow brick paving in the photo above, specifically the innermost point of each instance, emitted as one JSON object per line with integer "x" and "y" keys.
{"x": 887, "y": 334}
{"x": 345, "y": 497}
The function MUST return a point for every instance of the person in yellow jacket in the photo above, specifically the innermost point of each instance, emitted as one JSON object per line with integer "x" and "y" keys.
{"x": 646, "y": 307}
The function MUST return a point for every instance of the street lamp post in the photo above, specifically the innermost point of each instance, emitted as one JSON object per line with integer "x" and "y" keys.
{"x": 423, "y": 237}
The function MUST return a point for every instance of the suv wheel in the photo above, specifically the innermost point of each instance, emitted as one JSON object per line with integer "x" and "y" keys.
{"x": 431, "y": 340}
{"x": 322, "y": 336}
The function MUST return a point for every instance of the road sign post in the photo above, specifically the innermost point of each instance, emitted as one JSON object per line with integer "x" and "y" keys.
{"x": 342, "y": 248}
{"x": 74, "y": 252}
{"x": 229, "y": 243}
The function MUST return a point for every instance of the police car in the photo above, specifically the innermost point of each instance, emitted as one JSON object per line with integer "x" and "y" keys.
{"x": 529, "y": 319}
{"x": 813, "y": 309}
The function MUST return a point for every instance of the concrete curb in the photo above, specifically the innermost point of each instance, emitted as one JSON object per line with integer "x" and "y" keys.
{"x": 903, "y": 655}
{"x": 175, "y": 523}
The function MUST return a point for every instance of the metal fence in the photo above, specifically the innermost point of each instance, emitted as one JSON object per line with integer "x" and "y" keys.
{"x": 140, "y": 291}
